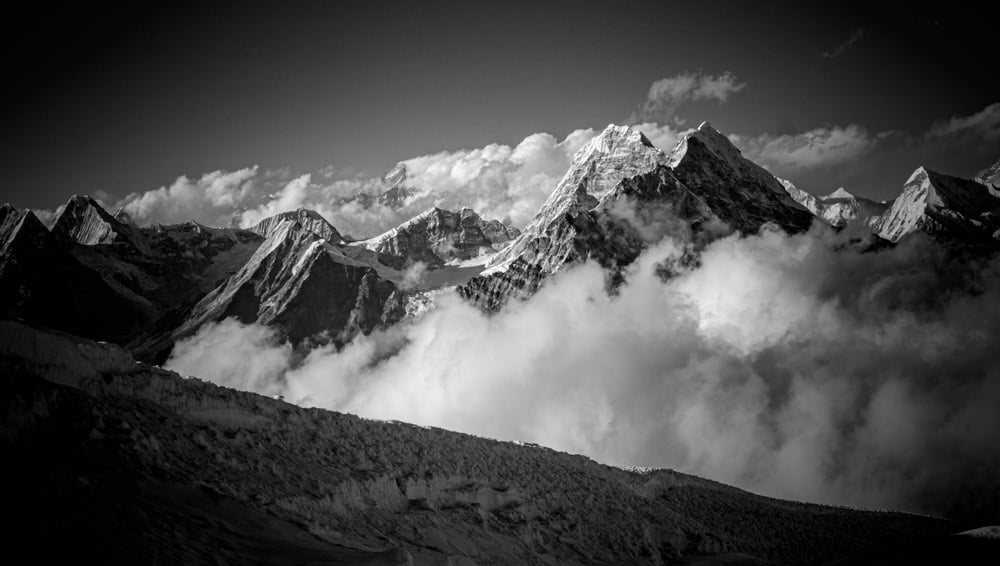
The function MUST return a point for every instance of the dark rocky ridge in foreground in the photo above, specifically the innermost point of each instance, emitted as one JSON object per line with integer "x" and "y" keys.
{"x": 131, "y": 463}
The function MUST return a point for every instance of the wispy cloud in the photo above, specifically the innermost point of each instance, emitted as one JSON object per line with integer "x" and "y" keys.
{"x": 984, "y": 124}
{"x": 846, "y": 46}
{"x": 790, "y": 153}
{"x": 666, "y": 95}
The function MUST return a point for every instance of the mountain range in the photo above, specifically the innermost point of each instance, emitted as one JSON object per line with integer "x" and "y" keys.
{"x": 96, "y": 300}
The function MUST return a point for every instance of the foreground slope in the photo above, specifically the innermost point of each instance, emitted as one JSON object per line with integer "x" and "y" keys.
{"x": 131, "y": 463}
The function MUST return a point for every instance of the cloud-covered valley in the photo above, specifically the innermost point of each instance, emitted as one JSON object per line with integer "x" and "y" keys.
{"x": 794, "y": 366}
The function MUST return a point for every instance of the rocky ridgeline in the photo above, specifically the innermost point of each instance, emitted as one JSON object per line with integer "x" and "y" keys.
{"x": 950, "y": 209}
{"x": 439, "y": 236}
{"x": 101, "y": 276}
{"x": 171, "y": 459}
{"x": 308, "y": 219}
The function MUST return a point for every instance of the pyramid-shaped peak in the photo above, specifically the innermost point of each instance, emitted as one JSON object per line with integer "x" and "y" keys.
{"x": 840, "y": 193}
{"x": 84, "y": 221}
{"x": 713, "y": 140}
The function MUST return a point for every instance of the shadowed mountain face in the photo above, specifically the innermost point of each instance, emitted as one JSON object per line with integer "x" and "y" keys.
{"x": 294, "y": 281}
{"x": 177, "y": 469}
{"x": 40, "y": 281}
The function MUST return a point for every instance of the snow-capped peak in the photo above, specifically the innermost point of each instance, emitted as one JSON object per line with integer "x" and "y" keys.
{"x": 840, "y": 193}
{"x": 613, "y": 139}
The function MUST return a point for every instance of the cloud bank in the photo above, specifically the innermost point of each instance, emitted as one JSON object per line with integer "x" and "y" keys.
{"x": 819, "y": 147}
{"x": 498, "y": 181}
{"x": 779, "y": 364}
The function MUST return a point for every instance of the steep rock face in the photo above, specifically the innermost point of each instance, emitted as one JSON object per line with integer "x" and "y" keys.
{"x": 617, "y": 153}
{"x": 296, "y": 282}
{"x": 706, "y": 163}
{"x": 309, "y": 219}
{"x": 439, "y": 236}
{"x": 839, "y": 207}
{"x": 179, "y": 264}
{"x": 704, "y": 183}
{"x": 41, "y": 282}
{"x": 944, "y": 206}
{"x": 115, "y": 444}
{"x": 85, "y": 222}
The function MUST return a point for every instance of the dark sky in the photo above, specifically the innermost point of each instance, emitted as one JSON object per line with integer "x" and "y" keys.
{"x": 127, "y": 98}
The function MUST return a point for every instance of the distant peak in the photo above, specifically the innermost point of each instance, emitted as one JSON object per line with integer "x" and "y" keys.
{"x": 840, "y": 193}
{"x": 705, "y": 126}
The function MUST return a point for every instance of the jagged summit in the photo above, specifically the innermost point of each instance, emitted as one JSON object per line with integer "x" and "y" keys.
{"x": 84, "y": 221}
{"x": 617, "y": 153}
{"x": 705, "y": 181}
{"x": 610, "y": 140}
{"x": 310, "y": 219}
